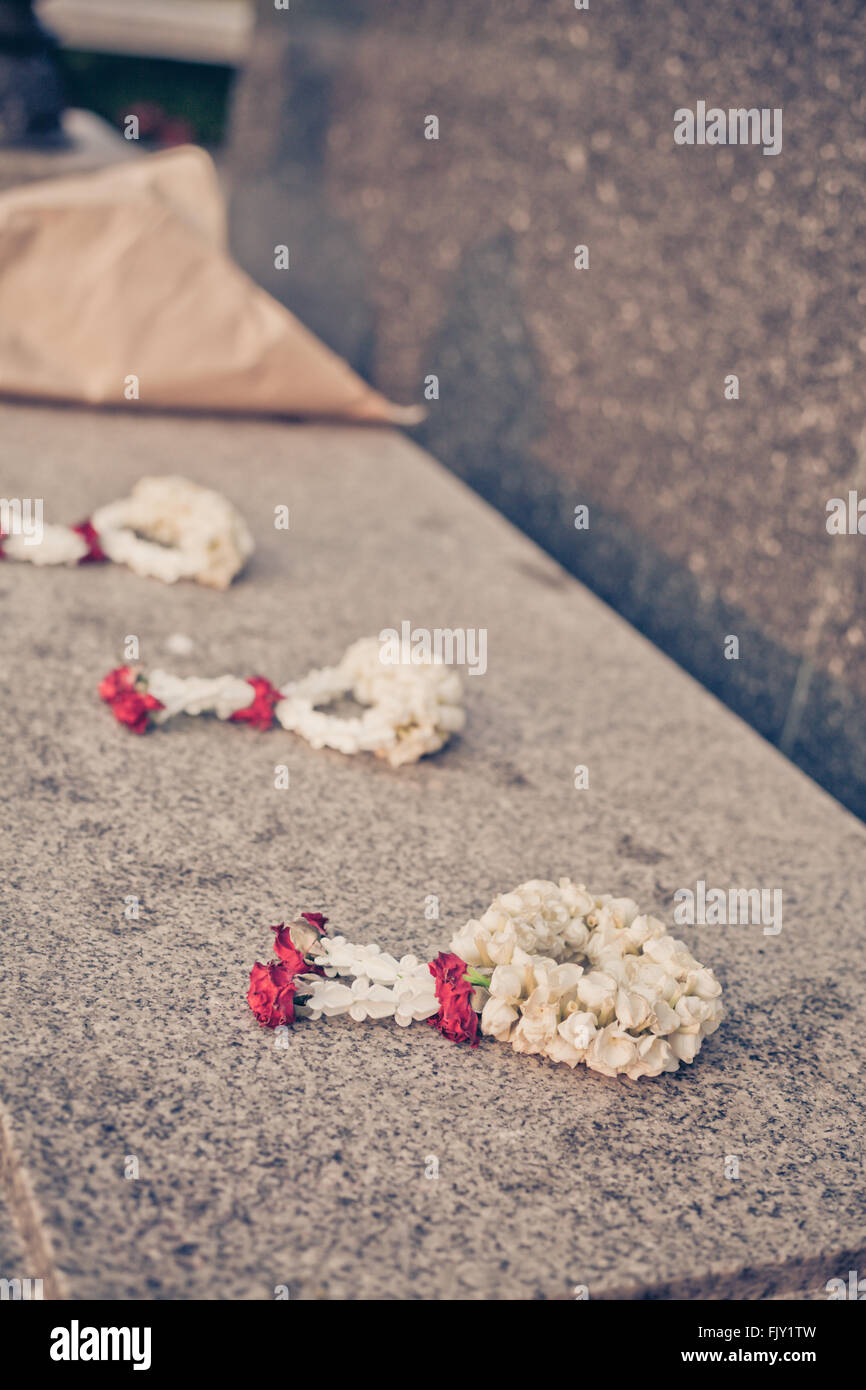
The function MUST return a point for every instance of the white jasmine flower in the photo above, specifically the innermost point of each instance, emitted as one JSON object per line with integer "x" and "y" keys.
{"x": 663, "y": 1018}
{"x": 654, "y": 1055}
{"x": 698, "y": 1015}
{"x": 481, "y": 945}
{"x": 498, "y": 1018}
{"x": 339, "y": 955}
{"x": 507, "y": 982}
{"x": 610, "y": 961}
{"x": 685, "y": 1046}
{"x": 597, "y": 991}
{"x": 576, "y": 935}
{"x": 647, "y": 976}
{"x": 641, "y": 930}
{"x": 326, "y": 997}
{"x": 632, "y": 1010}
{"x": 575, "y": 1033}
{"x": 559, "y": 1050}
{"x": 576, "y": 897}
{"x": 558, "y": 980}
{"x": 612, "y": 1050}
{"x": 673, "y": 954}
{"x": 502, "y": 947}
{"x": 537, "y": 1026}
{"x": 463, "y": 944}
{"x": 703, "y": 983}
{"x": 714, "y": 1017}
{"x": 415, "y": 998}
{"x": 619, "y": 912}
{"x": 370, "y": 1001}
{"x": 508, "y": 985}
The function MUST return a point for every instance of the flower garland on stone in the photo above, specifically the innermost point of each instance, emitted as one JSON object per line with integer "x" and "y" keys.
{"x": 552, "y": 969}
{"x": 411, "y": 710}
{"x": 168, "y": 528}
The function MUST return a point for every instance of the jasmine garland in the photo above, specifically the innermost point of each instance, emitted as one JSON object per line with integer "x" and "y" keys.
{"x": 411, "y": 711}
{"x": 168, "y": 528}
{"x": 552, "y": 969}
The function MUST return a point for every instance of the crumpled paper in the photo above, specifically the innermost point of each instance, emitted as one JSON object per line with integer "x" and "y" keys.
{"x": 119, "y": 282}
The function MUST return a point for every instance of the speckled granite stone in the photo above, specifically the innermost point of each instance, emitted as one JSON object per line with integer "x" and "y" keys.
{"x": 12, "y": 1258}
{"x": 305, "y": 1167}
{"x": 455, "y": 257}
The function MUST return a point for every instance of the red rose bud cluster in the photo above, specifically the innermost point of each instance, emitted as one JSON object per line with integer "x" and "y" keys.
{"x": 456, "y": 1018}
{"x": 130, "y": 703}
{"x": 273, "y": 987}
{"x": 88, "y": 533}
{"x": 260, "y": 714}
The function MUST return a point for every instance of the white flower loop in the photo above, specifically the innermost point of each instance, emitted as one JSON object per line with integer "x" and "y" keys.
{"x": 413, "y": 710}
{"x": 581, "y": 978}
{"x": 171, "y": 528}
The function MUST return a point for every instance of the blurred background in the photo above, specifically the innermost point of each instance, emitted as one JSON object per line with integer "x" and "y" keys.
{"x": 445, "y": 267}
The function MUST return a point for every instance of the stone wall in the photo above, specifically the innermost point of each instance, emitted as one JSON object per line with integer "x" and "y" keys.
{"x": 603, "y": 386}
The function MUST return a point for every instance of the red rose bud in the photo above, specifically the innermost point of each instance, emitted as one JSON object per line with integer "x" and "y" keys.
{"x": 271, "y": 994}
{"x": 129, "y": 705}
{"x": 259, "y": 714}
{"x": 456, "y": 1018}
{"x": 122, "y": 678}
{"x": 316, "y": 920}
{"x": 291, "y": 953}
{"x": 300, "y": 937}
{"x": 87, "y": 531}
{"x": 133, "y": 710}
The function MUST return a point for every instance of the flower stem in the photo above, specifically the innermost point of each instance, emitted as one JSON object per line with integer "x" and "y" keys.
{"x": 475, "y": 978}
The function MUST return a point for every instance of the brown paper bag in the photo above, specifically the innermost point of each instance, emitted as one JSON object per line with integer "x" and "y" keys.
{"x": 119, "y": 281}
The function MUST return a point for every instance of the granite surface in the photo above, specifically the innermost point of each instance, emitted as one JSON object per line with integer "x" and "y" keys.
{"x": 603, "y": 387}
{"x": 304, "y": 1167}
{"x": 12, "y": 1257}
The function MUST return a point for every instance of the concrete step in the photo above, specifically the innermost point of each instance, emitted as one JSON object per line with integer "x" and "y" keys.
{"x": 305, "y": 1167}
